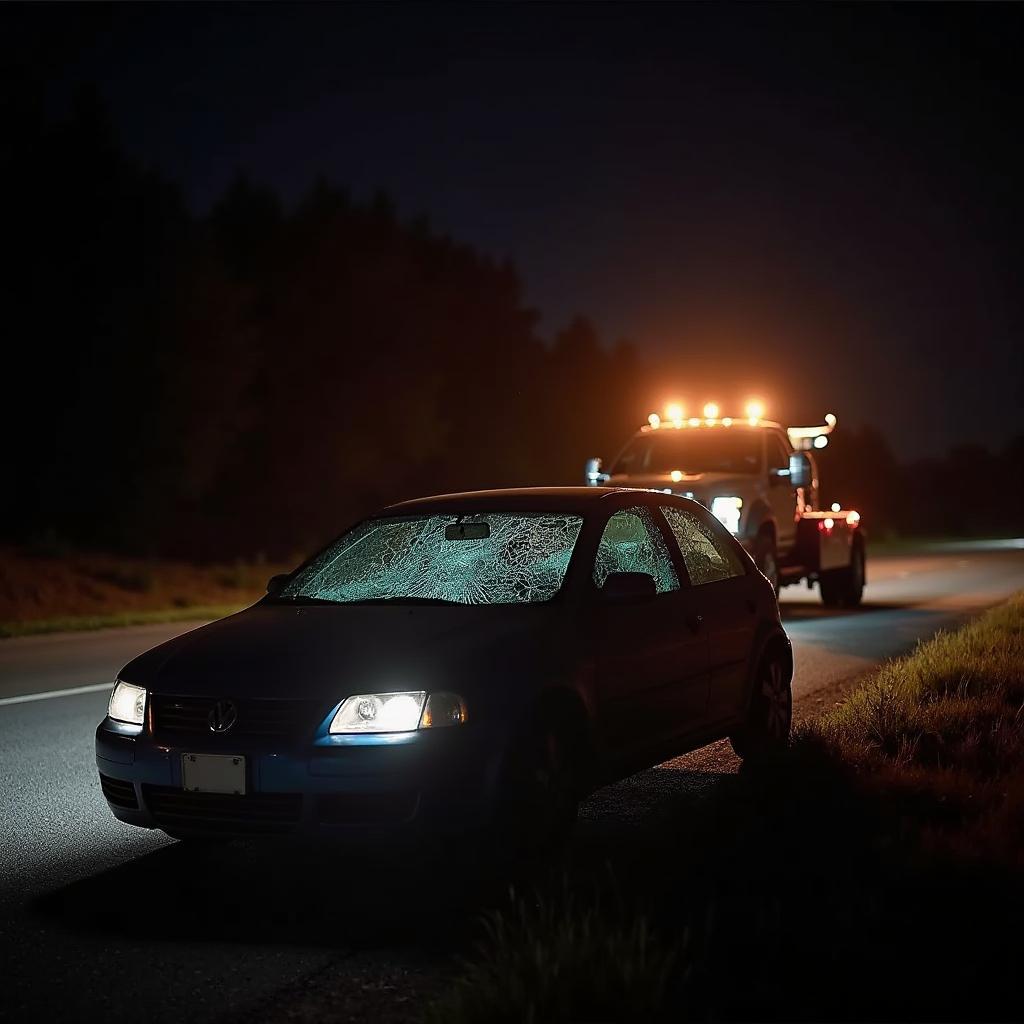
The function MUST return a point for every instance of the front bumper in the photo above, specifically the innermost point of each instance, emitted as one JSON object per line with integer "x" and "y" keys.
{"x": 350, "y": 787}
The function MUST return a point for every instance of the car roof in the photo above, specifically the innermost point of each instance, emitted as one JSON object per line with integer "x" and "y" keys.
{"x": 514, "y": 499}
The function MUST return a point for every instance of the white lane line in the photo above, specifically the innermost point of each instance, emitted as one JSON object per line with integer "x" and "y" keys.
{"x": 25, "y": 698}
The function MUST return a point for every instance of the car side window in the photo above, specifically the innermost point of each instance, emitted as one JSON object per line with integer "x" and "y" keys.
{"x": 632, "y": 542}
{"x": 708, "y": 557}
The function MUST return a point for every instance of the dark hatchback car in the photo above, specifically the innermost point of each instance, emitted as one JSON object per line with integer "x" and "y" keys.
{"x": 452, "y": 663}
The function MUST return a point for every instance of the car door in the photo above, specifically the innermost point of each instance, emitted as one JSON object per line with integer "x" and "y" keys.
{"x": 781, "y": 492}
{"x": 652, "y": 666}
{"x": 725, "y": 598}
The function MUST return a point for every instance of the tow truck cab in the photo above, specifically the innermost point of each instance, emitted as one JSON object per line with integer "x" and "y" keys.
{"x": 760, "y": 480}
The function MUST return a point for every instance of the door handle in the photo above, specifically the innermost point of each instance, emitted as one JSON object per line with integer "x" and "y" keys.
{"x": 694, "y": 622}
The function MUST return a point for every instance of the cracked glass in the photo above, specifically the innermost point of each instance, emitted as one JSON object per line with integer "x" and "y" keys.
{"x": 632, "y": 542}
{"x": 708, "y": 557}
{"x": 522, "y": 560}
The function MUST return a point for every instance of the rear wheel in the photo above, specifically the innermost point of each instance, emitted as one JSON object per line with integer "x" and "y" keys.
{"x": 766, "y": 558}
{"x": 844, "y": 588}
{"x": 771, "y": 710}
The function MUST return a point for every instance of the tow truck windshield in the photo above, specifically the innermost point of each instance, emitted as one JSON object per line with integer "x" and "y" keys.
{"x": 698, "y": 450}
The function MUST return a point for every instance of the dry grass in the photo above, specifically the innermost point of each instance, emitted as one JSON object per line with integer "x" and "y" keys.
{"x": 943, "y": 729}
{"x": 43, "y": 593}
{"x": 567, "y": 957}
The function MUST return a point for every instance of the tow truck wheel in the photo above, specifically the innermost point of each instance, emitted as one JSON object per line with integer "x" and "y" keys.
{"x": 766, "y": 559}
{"x": 844, "y": 588}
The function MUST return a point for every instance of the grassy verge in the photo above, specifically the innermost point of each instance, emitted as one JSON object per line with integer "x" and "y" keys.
{"x": 43, "y": 593}
{"x": 874, "y": 871}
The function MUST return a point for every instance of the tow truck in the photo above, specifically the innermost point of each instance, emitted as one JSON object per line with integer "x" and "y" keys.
{"x": 760, "y": 480}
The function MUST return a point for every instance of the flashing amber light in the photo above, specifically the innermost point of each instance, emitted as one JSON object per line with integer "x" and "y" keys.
{"x": 676, "y": 476}
{"x": 821, "y": 441}
{"x": 754, "y": 410}
{"x": 674, "y": 412}
{"x": 694, "y": 421}
{"x": 711, "y": 411}
{"x": 830, "y": 419}
{"x": 836, "y": 506}
{"x": 655, "y": 420}
{"x": 852, "y": 518}
{"x": 727, "y": 422}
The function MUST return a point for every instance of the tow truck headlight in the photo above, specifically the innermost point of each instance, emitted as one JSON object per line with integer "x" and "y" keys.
{"x": 726, "y": 509}
{"x": 127, "y": 703}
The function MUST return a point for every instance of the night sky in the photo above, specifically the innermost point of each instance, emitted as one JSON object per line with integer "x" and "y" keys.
{"x": 821, "y": 205}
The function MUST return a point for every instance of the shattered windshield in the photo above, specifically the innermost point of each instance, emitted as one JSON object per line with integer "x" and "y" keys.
{"x": 493, "y": 558}
{"x": 728, "y": 450}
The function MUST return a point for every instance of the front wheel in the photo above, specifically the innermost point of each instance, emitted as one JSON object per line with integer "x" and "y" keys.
{"x": 771, "y": 711}
{"x": 539, "y": 791}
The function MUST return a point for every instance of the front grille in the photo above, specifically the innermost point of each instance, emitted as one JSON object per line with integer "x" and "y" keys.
{"x": 366, "y": 808}
{"x": 282, "y": 719}
{"x": 177, "y": 809}
{"x": 118, "y": 792}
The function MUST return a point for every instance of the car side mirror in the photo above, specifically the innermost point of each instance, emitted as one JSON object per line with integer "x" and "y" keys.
{"x": 276, "y": 583}
{"x": 801, "y": 472}
{"x": 592, "y": 474}
{"x": 628, "y": 587}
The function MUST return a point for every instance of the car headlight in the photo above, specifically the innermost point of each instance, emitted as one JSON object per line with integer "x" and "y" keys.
{"x": 127, "y": 703}
{"x": 726, "y": 509}
{"x": 404, "y": 711}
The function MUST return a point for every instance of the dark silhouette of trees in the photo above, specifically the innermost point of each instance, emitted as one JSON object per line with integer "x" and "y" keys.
{"x": 256, "y": 378}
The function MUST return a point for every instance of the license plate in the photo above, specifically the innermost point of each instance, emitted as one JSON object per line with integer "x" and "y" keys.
{"x": 213, "y": 773}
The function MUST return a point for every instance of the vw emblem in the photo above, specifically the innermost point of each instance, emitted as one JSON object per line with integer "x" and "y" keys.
{"x": 223, "y": 716}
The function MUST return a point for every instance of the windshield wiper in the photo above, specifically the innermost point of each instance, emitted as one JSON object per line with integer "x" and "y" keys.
{"x": 404, "y": 600}
{"x": 300, "y": 599}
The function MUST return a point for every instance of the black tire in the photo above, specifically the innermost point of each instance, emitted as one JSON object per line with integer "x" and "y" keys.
{"x": 539, "y": 789}
{"x": 844, "y": 588}
{"x": 770, "y": 715}
{"x": 766, "y": 558}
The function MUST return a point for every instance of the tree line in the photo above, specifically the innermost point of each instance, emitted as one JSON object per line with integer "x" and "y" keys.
{"x": 252, "y": 379}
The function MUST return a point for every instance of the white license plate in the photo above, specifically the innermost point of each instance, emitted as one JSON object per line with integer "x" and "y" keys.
{"x": 213, "y": 773}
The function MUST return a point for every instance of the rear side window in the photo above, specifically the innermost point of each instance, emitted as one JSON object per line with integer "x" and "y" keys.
{"x": 631, "y": 542}
{"x": 708, "y": 556}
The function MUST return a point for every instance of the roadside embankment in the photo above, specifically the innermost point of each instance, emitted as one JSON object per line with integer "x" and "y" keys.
{"x": 47, "y": 593}
{"x": 875, "y": 870}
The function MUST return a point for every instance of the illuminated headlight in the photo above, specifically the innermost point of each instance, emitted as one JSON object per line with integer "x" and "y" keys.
{"x": 726, "y": 509}
{"x": 404, "y": 711}
{"x": 127, "y": 703}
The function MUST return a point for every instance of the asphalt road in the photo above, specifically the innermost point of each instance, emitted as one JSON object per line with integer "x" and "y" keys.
{"x": 102, "y": 921}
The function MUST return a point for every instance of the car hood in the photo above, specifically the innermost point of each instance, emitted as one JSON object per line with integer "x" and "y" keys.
{"x": 700, "y": 486}
{"x": 333, "y": 651}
